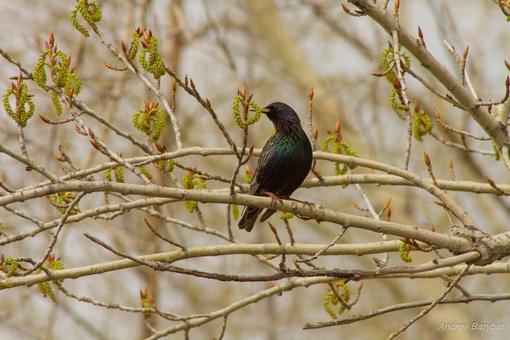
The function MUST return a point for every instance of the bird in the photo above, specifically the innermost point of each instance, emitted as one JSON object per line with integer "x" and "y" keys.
{"x": 283, "y": 165}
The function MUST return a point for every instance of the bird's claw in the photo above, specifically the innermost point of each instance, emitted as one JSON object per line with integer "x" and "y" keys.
{"x": 274, "y": 198}
{"x": 305, "y": 203}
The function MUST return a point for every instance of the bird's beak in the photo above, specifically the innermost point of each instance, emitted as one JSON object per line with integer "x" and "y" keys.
{"x": 265, "y": 110}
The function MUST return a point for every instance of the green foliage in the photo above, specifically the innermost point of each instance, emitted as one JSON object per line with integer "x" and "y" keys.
{"x": 146, "y": 172}
{"x": 154, "y": 65}
{"x": 193, "y": 181}
{"x": 56, "y": 102}
{"x": 390, "y": 72}
{"x": 146, "y": 300}
{"x": 90, "y": 11}
{"x": 404, "y": 253}
{"x": 151, "y": 120}
{"x": 331, "y": 299}
{"x": 5, "y": 285}
{"x": 235, "y": 211}
{"x": 243, "y": 122}
{"x": 9, "y": 266}
{"x": 133, "y": 51}
{"x": 39, "y": 74}
{"x": 247, "y": 177}
{"x": 119, "y": 174}
{"x": 25, "y": 106}
{"x": 61, "y": 201}
{"x": 45, "y": 287}
{"x": 396, "y": 104}
{"x": 145, "y": 304}
{"x": 287, "y": 215}
{"x": 496, "y": 150}
{"x": 421, "y": 124}
{"x": 339, "y": 148}
{"x": 388, "y": 61}
{"x": 166, "y": 166}
{"x": 63, "y": 78}
{"x": 108, "y": 175}
{"x": 47, "y": 291}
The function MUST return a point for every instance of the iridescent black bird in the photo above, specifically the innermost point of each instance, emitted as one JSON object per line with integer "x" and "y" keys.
{"x": 283, "y": 164}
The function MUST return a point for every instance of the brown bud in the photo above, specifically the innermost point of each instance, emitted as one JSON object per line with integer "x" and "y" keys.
{"x": 91, "y": 134}
{"x": 20, "y": 80}
{"x": 379, "y": 74}
{"x": 310, "y": 93}
{"x": 450, "y": 165}
{"x": 123, "y": 46}
{"x": 507, "y": 64}
{"x": 249, "y": 99}
{"x": 95, "y": 145}
{"x": 71, "y": 93}
{"x": 388, "y": 202}
{"x": 316, "y": 133}
{"x": 420, "y": 34}
{"x": 438, "y": 118}
{"x": 144, "y": 44}
{"x": 491, "y": 182}
{"x": 337, "y": 127}
{"x": 143, "y": 293}
{"x": 466, "y": 51}
{"x": 416, "y": 106}
{"x": 160, "y": 147}
{"x": 273, "y": 229}
{"x": 427, "y": 159}
{"x": 146, "y": 35}
{"x": 51, "y": 40}
{"x": 79, "y": 130}
{"x": 346, "y": 9}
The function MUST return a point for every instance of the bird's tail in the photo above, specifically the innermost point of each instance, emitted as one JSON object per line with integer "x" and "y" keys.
{"x": 267, "y": 214}
{"x": 249, "y": 217}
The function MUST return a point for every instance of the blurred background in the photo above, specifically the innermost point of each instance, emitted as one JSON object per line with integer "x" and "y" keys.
{"x": 277, "y": 50}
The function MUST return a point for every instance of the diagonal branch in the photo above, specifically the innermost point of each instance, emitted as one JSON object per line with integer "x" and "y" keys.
{"x": 494, "y": 128}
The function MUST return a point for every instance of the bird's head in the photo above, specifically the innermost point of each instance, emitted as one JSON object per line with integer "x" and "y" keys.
{"x": 281, "y": 113}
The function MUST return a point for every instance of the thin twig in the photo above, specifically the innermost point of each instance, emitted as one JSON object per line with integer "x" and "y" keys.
{"x": 432, "y": 305}
{"x": 54, "y": 238}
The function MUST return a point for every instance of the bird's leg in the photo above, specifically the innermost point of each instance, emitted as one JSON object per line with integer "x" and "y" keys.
{"x": 274, "y": 198}
{"x": 294, "y": 201}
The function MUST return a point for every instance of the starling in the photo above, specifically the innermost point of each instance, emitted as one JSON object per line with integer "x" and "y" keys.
{"x": 283, "y": 164}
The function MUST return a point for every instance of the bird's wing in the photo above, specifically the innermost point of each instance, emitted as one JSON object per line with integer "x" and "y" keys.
{"x": 262, "y": 165}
